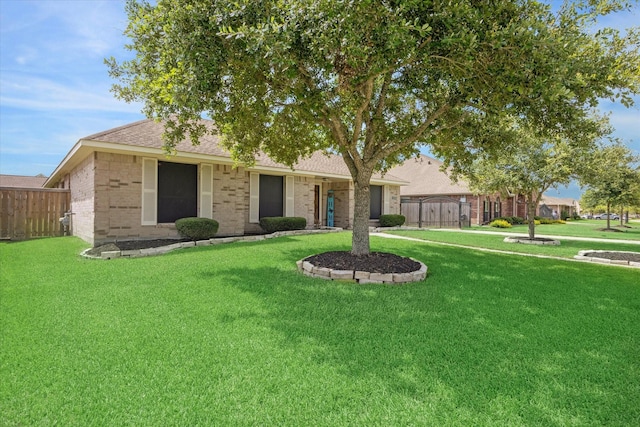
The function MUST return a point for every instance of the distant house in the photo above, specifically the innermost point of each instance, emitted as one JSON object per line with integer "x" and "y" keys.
{"x": 427, "y": 181}
{"x": 21, "y": 181}
{"x": 124, "y": 187}
{"x": 558, "y": 207}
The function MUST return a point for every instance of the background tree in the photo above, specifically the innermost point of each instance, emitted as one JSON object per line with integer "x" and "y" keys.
{"x": 612, "y": 178}
{"x": 589, "y": 203}
{"x": 530, "y": 165}
{"x": 370, "y": 80}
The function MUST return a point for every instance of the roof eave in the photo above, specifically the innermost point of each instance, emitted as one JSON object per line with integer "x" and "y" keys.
{"x": 86, "y": 146}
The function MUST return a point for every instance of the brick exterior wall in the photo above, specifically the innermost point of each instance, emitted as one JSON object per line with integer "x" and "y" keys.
{"x": 118, "y": 215}
{"x": 107, "y": 196}
{"x": 230, "y": 199}
{"x": 394, "y": 203}
{"x": 81, "y": 184}
{"x": 304, "y": 194}
{"x": 520, "y": 208}
{"x": 304, "y": 197}
{"x": 106, "y": 193}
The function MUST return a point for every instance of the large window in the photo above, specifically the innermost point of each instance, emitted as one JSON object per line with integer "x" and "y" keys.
{"x": 271, "y": 196}
{"x": 177, "y": 191}
{"x": 375, "y": 206}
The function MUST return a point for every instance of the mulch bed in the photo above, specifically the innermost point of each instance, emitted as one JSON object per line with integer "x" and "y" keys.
{"x": 375, "y": 262}
{"x": 618, "y": 256}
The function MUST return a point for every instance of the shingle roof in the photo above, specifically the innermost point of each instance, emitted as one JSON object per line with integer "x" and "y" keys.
{"x": 558, "y": 201}
{"x": 21, "y": 181}
{"x": 425, "y": 178}
{"x": 148, "y": 133}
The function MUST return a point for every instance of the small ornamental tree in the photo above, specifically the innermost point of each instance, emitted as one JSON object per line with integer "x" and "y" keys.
{"x": 530, "y": 165}
{"x": 369, "y": 80}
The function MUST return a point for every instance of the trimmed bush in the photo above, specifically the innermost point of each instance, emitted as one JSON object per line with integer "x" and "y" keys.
{"x": 197, "y": 228}
{"x": 513, "y": 220}
{"x": 391, "y": 220}
{"x": 551, "y": 221}
{"x": 500, "y": 223}
{"x": 281, "y": 223}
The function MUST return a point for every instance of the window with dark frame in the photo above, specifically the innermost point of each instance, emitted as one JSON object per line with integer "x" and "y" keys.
{"x": 177, "y": 191}
{"x": 271, "y": 196}
{"x": 375, "y": 206}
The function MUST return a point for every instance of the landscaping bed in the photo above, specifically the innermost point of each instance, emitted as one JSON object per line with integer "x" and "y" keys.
{"x": 131, "y": 245}
{"x": 613, "y": 257}
{"x": 375, "y": 262}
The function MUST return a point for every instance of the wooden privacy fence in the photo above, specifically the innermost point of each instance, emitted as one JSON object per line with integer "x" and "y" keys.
{"x": 32, "y": 212}
{"x": 441, "y": 212}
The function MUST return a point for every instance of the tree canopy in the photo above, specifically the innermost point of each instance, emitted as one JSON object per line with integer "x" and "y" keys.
{"x": 529, "y": 165}
{"x": 370, "y": 80}
{"x": 612, "y": 178}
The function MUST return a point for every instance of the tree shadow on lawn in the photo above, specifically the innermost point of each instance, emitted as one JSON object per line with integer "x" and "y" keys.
{"x": 483, "y": 332}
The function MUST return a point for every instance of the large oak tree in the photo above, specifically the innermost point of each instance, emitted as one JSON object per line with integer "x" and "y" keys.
{"x": 371, "y": 80}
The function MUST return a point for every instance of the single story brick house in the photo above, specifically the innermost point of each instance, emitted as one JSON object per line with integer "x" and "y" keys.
{"x": 124, "y": 187}
{"x": 427, "y": 180}
{"x": 560, "y": 207}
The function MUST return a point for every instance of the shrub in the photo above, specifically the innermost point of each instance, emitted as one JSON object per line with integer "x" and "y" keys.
{"x": 391, "y": 220}
{"x": 500, "y": 223}
{"x": 279, "y": 223}
{"x": 513, "y": 220}
{"x": 551, "y": 221}
{"x": 518, "y": 220}
{"x": 197, "y": 228}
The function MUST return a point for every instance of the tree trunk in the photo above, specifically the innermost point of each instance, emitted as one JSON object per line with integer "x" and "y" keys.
{"x": 531, "y": 216}
{"x": 361, "y": 213}
{"x": 608, "y": 215}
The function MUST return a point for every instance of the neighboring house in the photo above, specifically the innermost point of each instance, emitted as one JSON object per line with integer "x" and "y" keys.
{"x": 123, "y": 187}
{"x": 560, "y": 208}
{"x": 21, "y": 181}
{"x": 428, "y": 181}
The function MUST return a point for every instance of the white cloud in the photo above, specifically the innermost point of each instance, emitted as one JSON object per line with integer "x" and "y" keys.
{"x": 29, "y": 92}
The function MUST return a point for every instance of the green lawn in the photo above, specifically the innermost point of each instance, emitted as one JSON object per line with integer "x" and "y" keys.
{"x": 566, "y": 249}
{"x": 233, "y": 335}
{"x": 581, "y": 228}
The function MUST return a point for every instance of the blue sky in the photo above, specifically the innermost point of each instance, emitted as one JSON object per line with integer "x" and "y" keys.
{"x": 54, "y": 86}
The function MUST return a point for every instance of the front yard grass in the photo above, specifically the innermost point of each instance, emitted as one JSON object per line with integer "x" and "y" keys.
{"x": 578, "y": 228}
{"x": 566, "y": 249}
{"x": 233, "y": 335}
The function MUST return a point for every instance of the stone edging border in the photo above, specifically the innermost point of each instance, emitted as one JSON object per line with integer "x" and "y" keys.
{"x": 138, "y": 253}
{"x": 362, "y": 277}
{"x": 526, "y": 241}
{"x": 582, "y": 257}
